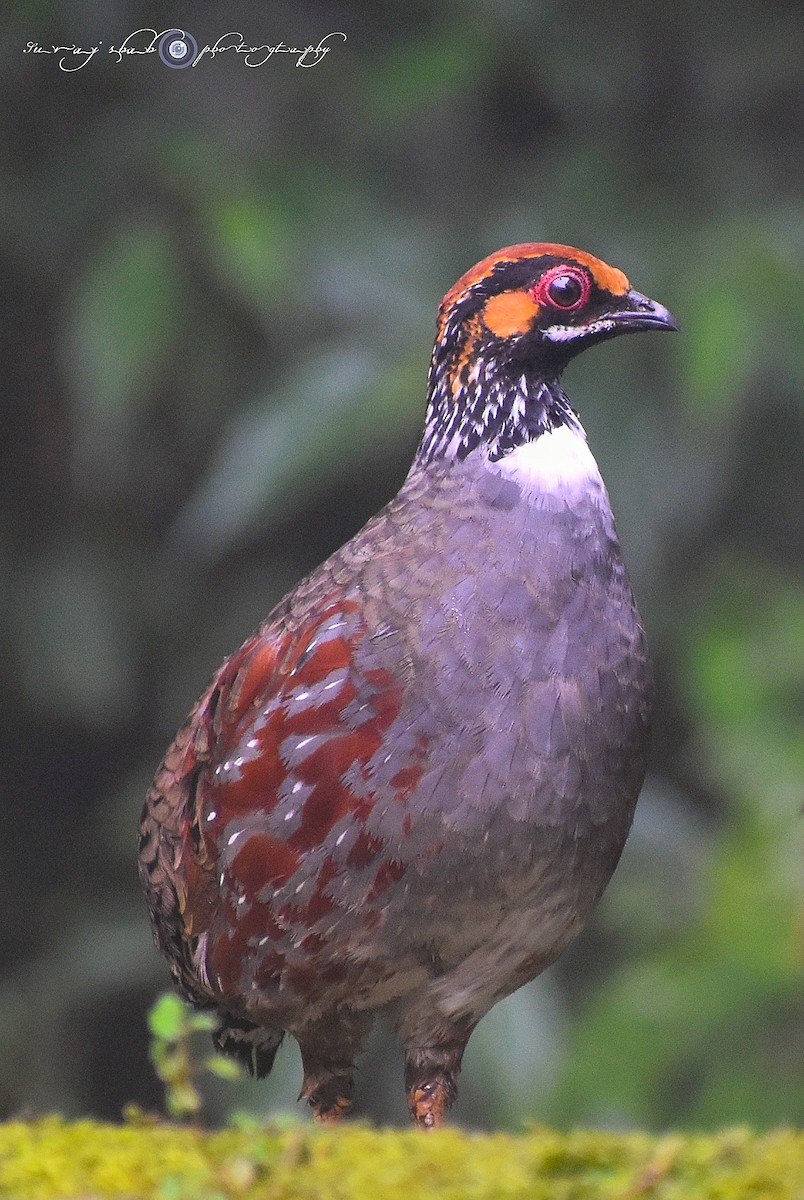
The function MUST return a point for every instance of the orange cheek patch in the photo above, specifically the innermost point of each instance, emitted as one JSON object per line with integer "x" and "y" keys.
{"x": 510, "y": 313}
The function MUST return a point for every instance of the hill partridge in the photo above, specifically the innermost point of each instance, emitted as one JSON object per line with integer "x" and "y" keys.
{"x": 409, "y": 787}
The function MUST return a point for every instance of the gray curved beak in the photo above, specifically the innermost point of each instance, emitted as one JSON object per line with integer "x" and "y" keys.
{"x": 640, "y": 312}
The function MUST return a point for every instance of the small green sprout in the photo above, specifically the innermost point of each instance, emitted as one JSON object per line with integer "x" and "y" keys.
{"x": 173, "y": 1026}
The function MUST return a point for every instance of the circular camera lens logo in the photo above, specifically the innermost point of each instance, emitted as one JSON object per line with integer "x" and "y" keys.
{"x": 177, "y": 48}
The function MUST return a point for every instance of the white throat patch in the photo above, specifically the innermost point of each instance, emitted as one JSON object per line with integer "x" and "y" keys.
{"x": 557, "y": 463}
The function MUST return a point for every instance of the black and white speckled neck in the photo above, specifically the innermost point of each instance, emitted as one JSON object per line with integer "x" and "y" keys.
{"x": 489, "y": 406}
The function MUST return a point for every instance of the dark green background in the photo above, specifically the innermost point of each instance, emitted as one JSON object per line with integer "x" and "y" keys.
{"x": 218, "y": 297}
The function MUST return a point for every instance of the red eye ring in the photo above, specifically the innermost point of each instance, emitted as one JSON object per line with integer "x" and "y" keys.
{"x": 563, "y": 287}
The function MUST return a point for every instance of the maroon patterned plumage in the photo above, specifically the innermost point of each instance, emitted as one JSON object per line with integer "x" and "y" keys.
{"x": 408, "y": 788}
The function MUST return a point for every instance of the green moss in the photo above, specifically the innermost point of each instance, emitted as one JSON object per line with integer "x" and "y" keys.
{"x": 55, "y": 1158}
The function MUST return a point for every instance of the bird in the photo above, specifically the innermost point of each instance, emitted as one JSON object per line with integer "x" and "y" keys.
{"x": 408, "y": 788}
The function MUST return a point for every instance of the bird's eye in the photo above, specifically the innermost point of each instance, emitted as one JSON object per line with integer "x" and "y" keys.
{"x": 565, "y": 291}
{"x": 562, "y": 287}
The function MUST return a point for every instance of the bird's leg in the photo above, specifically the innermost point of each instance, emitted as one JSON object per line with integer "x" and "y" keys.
{"x": 430, "y": 1075}
{"x": 328, "y": 1052}
{"x": 434, "y": 1046}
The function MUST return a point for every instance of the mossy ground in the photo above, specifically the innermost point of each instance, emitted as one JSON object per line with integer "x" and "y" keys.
{"x": 82, "y": 1159}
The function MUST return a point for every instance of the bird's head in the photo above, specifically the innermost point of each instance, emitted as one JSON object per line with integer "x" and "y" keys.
{"x": 507, "y": 329}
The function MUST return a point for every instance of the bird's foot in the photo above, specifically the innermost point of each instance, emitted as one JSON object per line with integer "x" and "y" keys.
{"x": 330, "y": 1097}
{"x": 428, "y": 1101}
{"x": 331, "y": 1113}
{"x": 431, "y": 1071}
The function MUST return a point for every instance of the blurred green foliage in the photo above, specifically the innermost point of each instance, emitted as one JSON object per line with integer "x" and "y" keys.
{"x": 220, "y": 288}
{"x": 173, "y": 1026}
{"x": 53, "y": 1159}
